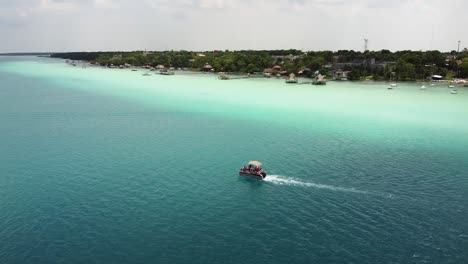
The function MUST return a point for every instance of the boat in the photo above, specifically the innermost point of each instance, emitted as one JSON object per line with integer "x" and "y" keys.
{"x": 433, "y": 84}
{"x": 451, "y": 86}
{"x": 319, "y": 80}
{"x": 224, "y": 76}
{"x": 393, "y": 85}
{"x": 454, "y": 91}
{"x": 423, "y": 87}
{"x": 166, "y": 72}
{"x": 254, "y": 169}
{"x": 292, "y": 78}
{"x": 146, "y": 74}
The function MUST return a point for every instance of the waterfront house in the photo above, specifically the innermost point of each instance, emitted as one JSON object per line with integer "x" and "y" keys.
{"x": 341, "y": 75}
{"x": 207, "y": 67}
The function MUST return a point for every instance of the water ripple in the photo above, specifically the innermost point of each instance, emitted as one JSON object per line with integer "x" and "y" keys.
{"x": 282, "y": 180}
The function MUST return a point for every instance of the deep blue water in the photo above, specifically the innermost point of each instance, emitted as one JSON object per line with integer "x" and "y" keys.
{"x": 89, "y": 178}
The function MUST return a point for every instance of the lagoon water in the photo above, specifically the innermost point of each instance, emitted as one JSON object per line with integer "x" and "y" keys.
{"x": 109, "y": 166}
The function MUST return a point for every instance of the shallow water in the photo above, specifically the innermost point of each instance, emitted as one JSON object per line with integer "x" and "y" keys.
{"x": 104, "y": 165}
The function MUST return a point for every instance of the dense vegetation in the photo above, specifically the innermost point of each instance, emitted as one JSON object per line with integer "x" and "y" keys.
{"x": 379, "y": 65}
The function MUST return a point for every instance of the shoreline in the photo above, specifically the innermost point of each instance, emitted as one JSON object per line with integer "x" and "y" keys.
{"x": 241, "y": 75}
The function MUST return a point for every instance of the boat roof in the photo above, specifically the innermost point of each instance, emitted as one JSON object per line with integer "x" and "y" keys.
{"x": 255, "y": 163}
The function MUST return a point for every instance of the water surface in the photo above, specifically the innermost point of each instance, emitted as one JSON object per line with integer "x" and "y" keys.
{"x": 109, "y": 166}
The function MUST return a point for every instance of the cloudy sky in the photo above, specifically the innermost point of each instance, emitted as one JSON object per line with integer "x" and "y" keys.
{"x": 91, "y": 25}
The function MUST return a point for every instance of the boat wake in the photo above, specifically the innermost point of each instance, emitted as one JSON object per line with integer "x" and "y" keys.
{"x": 282, "y": 180}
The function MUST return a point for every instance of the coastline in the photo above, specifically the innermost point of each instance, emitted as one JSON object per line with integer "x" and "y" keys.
{"x": 344, "y": 64}
{"x": 241, "y": 75}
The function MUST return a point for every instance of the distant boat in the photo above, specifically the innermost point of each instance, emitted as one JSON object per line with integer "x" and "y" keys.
{"x": 423, "y": 87}
{"x": 432, "y": 84}
{"x": 451, "y": 86}
{"x": 224, "y": 76}
{"x": 134, "y": 70}
{"x": 454, "y": 91}
{"x": 146, "y": 74}
{"x": 166, "y": 72}
{"x": 393, "y": 85}
{"x": 292, "y": 78}
{"x": 319, "y": 80}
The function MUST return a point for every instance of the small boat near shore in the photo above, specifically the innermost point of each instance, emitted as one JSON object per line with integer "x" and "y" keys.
{"x": 319, "y": 80}
{"x": 223, "y": 76}
{"x": 292, "y": 78}
{"x": 166, "y": 72}
{"x": 254, "y": 169}
{"x": 392, "y": 86}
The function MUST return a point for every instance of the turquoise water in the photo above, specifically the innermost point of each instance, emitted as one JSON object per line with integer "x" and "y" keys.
{"x": 109, "y": 166}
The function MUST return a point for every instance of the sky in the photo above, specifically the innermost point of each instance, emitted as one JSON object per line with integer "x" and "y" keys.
{"x": 123, "y": 25}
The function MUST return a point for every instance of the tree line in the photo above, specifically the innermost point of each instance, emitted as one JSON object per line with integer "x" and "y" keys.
{"x": 378, "y": 65}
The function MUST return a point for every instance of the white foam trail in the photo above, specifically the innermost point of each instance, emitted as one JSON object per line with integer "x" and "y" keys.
{"x": 282, "y": 180}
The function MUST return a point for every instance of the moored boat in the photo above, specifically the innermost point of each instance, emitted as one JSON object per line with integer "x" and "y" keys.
{"x": 253, "y": 168}
{"x": 166, "y": 72}
{"x": 319, "y": 80}
{"x": 292, "y": 78}
{"x": 223, "y": 76}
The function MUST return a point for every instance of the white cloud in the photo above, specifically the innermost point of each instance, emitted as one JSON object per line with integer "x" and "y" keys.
{"x": 231, "y": 24}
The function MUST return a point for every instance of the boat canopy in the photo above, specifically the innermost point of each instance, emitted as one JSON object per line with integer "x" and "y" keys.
{"x": 255, "y": 163}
